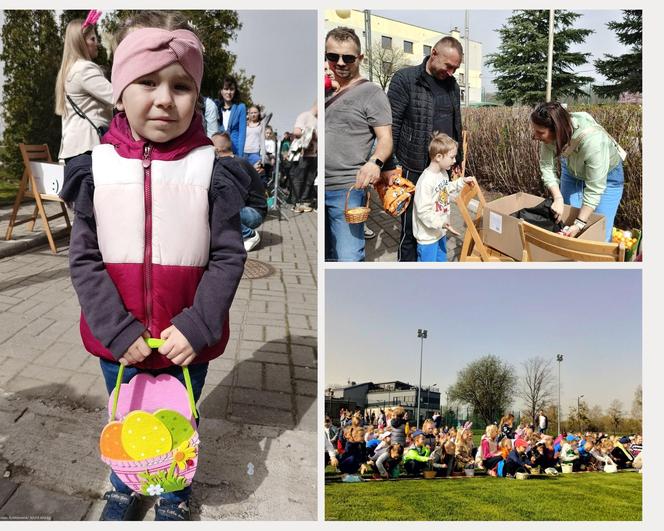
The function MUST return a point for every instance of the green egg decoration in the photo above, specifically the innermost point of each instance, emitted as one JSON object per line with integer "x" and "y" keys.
{"x": 179, "y": 427}
{"x": 144, "y": 436}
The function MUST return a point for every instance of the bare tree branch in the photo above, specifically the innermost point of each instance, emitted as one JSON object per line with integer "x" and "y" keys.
{"x": 385, "y": 62}
{"x": 536, "y": 384}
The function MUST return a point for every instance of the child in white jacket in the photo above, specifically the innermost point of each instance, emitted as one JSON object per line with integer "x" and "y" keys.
{"x": 431, "y": 213}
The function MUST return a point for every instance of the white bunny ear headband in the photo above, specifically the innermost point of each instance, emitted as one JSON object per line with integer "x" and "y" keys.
{"x": 467, "y": 425}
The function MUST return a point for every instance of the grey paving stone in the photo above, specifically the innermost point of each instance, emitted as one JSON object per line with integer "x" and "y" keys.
{"x": 268, "y": 399}
{"x": 277, "y": 378}
{"x": 7, "y": 488}
{"x": 33, "y": 502}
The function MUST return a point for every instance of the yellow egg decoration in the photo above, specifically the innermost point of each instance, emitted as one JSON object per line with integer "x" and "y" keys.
{"x": 110, "y": 444}
{"x": 180, "y": 428}
{"x": 144, "y": 436}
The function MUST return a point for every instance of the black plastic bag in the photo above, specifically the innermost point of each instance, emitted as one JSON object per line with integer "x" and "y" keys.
{"x": 540, "y": 215}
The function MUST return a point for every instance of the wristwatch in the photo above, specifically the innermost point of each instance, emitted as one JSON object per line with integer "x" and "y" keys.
{"x": 377, "y": 162}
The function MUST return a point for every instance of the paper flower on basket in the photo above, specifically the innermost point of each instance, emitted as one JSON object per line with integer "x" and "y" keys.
{"x": 154, "y": 490}
{"x": 183, "y": 455}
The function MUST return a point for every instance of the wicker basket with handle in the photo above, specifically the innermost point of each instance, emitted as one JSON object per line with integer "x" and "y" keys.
{"x": 357, "y": 214}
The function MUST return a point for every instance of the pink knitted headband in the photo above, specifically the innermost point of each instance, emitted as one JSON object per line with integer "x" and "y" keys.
{"x": 147, "y": 50}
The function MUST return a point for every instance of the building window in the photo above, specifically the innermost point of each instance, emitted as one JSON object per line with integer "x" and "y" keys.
{"x": 407, "y": 46}
{"x": 463, "y": 96}
{"x": 386, "y": 42}
{"x": 427, "y": 50}
{"x": 461, "y": 82}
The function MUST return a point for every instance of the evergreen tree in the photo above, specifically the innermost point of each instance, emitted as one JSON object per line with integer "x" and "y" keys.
{"x": 31, "y": 54}
{"x": 216, "y": 29}
{"x": 521, "y": 62}
{"x": 625, "y": 71}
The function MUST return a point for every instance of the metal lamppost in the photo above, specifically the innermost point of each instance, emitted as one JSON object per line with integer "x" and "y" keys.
{"x": 367, "y": 47}
{"x": 549, "y": 67}
{"x": 422, "y": 334}
{"x": 578, "y": 409}
{"x": 559, "y": 359}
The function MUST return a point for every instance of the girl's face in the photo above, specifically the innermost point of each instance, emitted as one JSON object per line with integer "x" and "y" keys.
{"x": 542, "y": 134}
{"x": 228, "y": 93}
{"x": 92, "y": 44}
{"x": 253, "y": 114}
{"x": 160, "y": 105}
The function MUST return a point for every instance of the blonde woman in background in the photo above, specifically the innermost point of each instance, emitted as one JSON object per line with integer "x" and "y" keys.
{"x": 84, "y": 82}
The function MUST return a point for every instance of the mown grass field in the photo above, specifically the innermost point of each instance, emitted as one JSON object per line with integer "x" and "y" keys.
{"x": 583, "y": 496}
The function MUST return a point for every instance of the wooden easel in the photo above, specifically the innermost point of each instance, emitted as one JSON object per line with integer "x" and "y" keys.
{"x": 473, "y": 248}
{"x": 28, "y": 188}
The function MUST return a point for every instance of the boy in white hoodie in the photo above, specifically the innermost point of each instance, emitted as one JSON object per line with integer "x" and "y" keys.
{"x": 431, "y": 213}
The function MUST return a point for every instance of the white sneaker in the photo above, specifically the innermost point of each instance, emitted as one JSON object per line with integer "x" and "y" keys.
{"x": 252, "y": 242}
{"x": 368, "y": 233}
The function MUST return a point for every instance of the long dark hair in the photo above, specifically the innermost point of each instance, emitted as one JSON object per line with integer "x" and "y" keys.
{"x": 554, "y": 117}
{"x": 228, "y": 81}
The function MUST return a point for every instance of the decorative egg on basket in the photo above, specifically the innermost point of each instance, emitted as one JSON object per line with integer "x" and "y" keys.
{"x": 151, "y": 441}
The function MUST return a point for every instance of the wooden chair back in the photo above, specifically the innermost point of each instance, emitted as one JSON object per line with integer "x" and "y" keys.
{"x": 571, "y": 249}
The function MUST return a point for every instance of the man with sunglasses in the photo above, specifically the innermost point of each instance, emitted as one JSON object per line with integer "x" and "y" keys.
{"x": 358, "y": 138}
{"x": 424, "y": 98}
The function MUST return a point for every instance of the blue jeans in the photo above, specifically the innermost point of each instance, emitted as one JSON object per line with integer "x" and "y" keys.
{"x": 433, "y": 252}
{"x": 253, "y": 158}
{"x": 197, "y": 373}
{"x": 344, "y": 242}
{"x": 572, "y": 189}
{"x": 250, "y": 219}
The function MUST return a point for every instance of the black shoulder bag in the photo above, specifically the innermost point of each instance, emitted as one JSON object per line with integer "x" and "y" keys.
{"x": 100, "y": 130}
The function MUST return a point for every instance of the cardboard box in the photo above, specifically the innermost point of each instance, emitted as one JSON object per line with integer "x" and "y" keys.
{"x": 500, "y": 229}
{"x": 48, "y": 176}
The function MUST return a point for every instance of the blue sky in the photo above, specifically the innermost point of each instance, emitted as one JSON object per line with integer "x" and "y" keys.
{"x": 484, "y": 23}
{"x": 592, "y": 317}
{"x": 279, "y": 48}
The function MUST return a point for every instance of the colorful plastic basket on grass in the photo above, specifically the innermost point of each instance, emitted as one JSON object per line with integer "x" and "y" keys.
{"x": 151, "y": 441}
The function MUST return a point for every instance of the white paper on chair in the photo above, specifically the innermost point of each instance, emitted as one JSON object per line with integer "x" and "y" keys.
{"x": 48, "y": 177}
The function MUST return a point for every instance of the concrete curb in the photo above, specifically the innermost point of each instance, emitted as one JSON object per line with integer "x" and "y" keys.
{"x": 14, "y": 247}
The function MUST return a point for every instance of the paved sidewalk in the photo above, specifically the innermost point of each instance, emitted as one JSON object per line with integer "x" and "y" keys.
{"x": 24, "y": 239}
{"x": 258, "y": 409}
{"x": 383, "y": 248}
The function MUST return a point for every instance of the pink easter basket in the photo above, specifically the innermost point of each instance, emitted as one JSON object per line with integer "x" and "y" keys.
{"x": 169, "y": 471}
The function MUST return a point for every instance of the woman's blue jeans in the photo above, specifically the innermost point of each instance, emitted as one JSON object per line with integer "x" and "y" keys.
{"x": 572, "y": 189}
{"x": 197, "y": 373}
{"x": 344, "y": 242}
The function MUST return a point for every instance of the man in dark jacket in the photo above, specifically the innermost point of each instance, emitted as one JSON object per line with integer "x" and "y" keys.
{"x": 424, "y": 99}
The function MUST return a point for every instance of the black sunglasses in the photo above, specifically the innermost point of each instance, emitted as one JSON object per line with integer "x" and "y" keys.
{"x": 334, "y": 58}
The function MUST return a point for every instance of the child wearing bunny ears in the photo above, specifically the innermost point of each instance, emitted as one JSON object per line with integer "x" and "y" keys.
{"x": 156, "y": 248}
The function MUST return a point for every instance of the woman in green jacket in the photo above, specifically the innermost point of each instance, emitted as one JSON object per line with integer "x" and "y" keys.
{"x": 590, "y": 159}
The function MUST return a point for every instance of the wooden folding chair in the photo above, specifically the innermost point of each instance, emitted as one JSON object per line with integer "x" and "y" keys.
{"x": 474, "y": 249}
{"x": 28, "y": 188}
{"x": 572, "y": 249}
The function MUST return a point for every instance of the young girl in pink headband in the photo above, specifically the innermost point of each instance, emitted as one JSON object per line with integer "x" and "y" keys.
{"x": 156, "y": 248}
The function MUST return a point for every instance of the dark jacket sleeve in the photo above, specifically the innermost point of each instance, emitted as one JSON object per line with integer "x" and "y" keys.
{"x": 202, "y": 323}
{"x": 100, "y": 301}
{"x": 398, "y": 94}
{"x": 457, "y": 122}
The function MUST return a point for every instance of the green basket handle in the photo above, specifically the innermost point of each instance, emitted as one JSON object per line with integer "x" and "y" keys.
{"x": 154, "y": 342}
